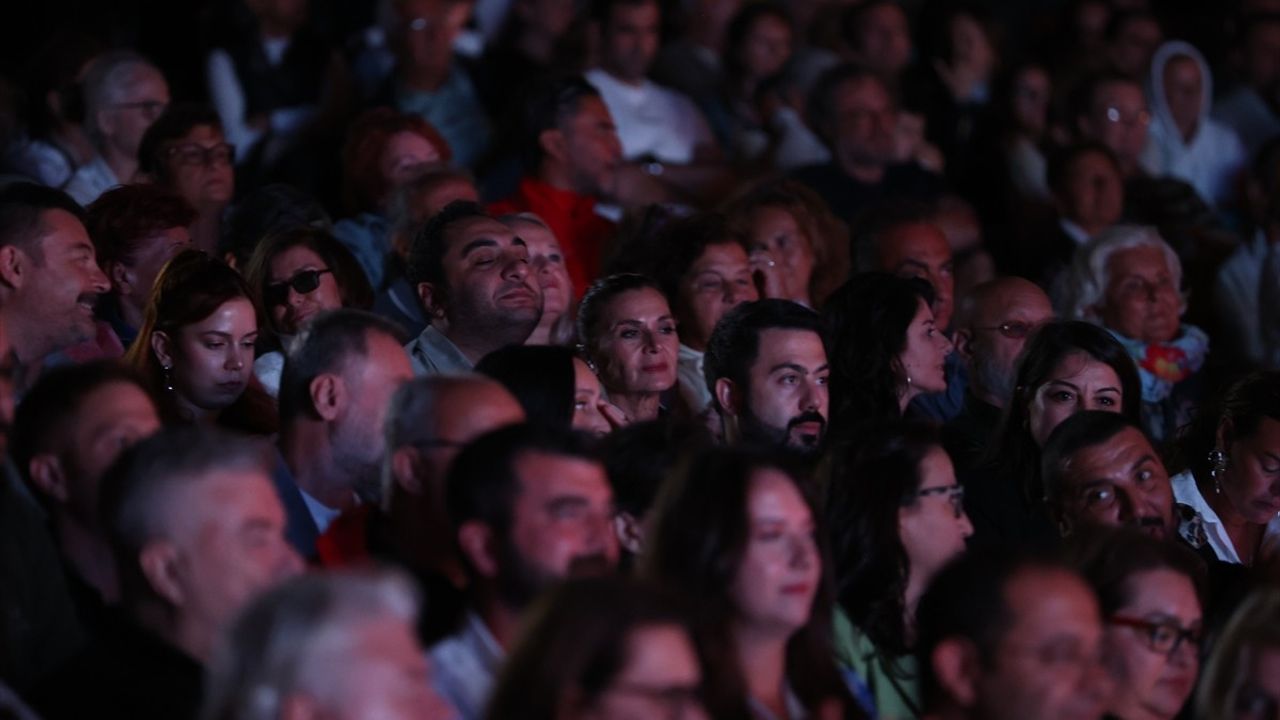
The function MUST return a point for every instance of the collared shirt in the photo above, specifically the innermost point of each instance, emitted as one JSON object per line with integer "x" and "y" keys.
{"x": 91, "y": 180}
{"x": 576, "y": 221}
{"x": 652, "y": 120}
{"x": 434, "y": 354}
{"x": 693, "y": 383}
{"x": 1186, "y": 492}
{"x": 454, "y": 109}
{"x": 466, "y": 666}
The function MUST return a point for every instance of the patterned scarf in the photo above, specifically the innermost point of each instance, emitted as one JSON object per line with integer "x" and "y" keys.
{"x": 1163, "y": 365}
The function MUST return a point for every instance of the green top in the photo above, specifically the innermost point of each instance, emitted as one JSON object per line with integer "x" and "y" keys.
{"x": 892, "y": 681}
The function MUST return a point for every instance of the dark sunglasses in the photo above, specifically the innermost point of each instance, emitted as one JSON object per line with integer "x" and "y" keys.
{"x": 302, "y": 283}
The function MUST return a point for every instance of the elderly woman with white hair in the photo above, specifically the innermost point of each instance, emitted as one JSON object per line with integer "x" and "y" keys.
{"x": 1129, "y": 280}
{"x": 339, "y": 645}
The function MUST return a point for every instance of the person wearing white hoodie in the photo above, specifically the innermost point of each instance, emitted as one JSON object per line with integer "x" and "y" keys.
{"x": 1184, "y": 142}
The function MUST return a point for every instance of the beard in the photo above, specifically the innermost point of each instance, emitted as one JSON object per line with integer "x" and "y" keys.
{"x": 359, "y": 459}
{"x": 756, "y": 432}
{"x": 520, "y": 581}
{"x": 478, "y": 317}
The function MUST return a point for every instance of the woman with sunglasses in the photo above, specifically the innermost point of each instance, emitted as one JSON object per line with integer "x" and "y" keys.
{"x": 1150, "y": 597}
{"x": 296, "y": 275}
{"x": 895, "y": 515}
{"x": 195, "y": 347}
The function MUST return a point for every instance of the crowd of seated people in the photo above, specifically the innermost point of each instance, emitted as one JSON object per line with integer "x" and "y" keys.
{"x": 640, "y": 359}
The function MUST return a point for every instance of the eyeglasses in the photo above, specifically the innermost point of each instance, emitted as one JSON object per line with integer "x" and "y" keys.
{"x": 953, "y": 493}
{"x": 302, "y": 283}
{"x": 1114, "y": 116}
{"x": 193, "y": 155}
{"x": 1164, "y": 637}
{"x": 1013, "y": 330}
{"x": 150, "y": 108}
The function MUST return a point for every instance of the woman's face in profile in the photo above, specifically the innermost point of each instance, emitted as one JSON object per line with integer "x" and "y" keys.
{"x": 1079, "y": 382}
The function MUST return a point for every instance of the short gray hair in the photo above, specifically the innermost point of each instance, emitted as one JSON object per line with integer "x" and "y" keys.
{"x": 1090, "y": 276}
{"x": 103, "y": 82}
{"x": 291, "y": 639}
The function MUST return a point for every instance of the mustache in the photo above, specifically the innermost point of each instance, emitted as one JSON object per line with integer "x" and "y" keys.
{"x": 1150, "y": 521}
{"x": 811, "y": 416}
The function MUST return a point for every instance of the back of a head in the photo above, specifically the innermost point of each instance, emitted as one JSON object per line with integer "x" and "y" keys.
{"x": 124, "y": 216}
{"x": 576, "y": 642}
{"x": 137, "y": 491}
{"x": 294, "y": 639}
{"x": 735, "y": 343}
{"x": 541, "y": 377}
{"x": 22, "y": 206}
{"x": 1078, "y": 432}
{"x": 968, "y": 599}
{"x": 330, "y": 343}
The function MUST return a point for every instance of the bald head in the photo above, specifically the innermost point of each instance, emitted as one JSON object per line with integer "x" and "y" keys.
{"x": 992, "y": 326}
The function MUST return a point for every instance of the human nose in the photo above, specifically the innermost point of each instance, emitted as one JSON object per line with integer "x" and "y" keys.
{"x": 803, "y": 551}
{"x": 235, "y": 357}
{"x": 813, "y": 394}
{"x": 98, "y": 281}
{"x": 517, "y": 268}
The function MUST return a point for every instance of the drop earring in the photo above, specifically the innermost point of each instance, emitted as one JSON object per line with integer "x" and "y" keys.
{"x": 1218, "y": 466}
{"x": 168, "y": 377}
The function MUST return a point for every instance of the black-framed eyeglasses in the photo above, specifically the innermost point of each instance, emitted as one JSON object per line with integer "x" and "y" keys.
{"x": 953, "y": 493}
{"x": 302, "y": 283}
{"x": 1012, "y": 330}
{"x": 192, "y": 154}
{"x": 1162, "y": 636}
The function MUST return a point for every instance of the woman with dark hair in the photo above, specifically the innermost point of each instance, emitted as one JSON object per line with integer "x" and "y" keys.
{"x": 384, "y": 150}
{"x": 1066, "y": 367}
{"x": 296, "y": 275}
{"x": 628, "y": 333}
{"x": 885, "y": 351}
{"x": 185, "y": 151}
{"x": 736, "y": 532}
{"x": 195, "y": 346}
{"x": 799, "y": 249}
{"x": 895, "y": 516}
{"x": 1150, "y": 594}
{"x": 1231, "y": 472}
{"x": 704, "y": 273}
{"x": 606, "y": 647}
{"x": 553, "y": 385}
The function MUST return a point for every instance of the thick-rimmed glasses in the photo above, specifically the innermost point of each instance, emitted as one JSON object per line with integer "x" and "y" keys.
{"x": 1162, "y": 636}
{"x": 953, "y": 493}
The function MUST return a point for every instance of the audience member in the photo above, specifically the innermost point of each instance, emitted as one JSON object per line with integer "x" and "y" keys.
{"x": 474, "y": 282}
{"x": 556, "y": 327}
{"x": 196, "y": 532}
{"x": 886, "y": 349}
{"x": 264, "y": 212}
{"x": 799, "y": 251}
{"x": 530, "y": 506}
{"x": 1249, "y": 108}
{"x": 571, "y": 156}
{"x": 554, "y": 386}
{"x": 895, "y": 514}
{"x": 1129, "y": 281}
{"x": 69, "y": 429}
{"x": 628, "y": 333}
{"x": 195, "y": 346}
{"x": 1226, "y": 457}
{"x": 295, "y": 275}
{"x": 1001, "y": 636}
{"x": 49, "y": 276}
{"x": 737, "y": 534}
{"x": 1240, "y": 678}
{"x": 991, "y": 328}
{"x": 184, "y": 151}
{"x": 1112, "y": 110}
{"x": 122, "y": 94}
{"x": 339, "y": 645}
{"x": 135, "y": 229}
{"x": 766, "y": 367}
{"x": 339, "y": 376}
{"x": 878, "y": 34}
{"x": 1067, "y": 367}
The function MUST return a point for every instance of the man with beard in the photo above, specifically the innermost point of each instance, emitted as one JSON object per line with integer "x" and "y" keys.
{"x": 992, "y": 325}
{"x": 49, "y": 276}
{"x": 478, "y": 294}
{"x": 766, "y": 366}
{"x": 530, "y": 505}
{"x": 339, "y": 376}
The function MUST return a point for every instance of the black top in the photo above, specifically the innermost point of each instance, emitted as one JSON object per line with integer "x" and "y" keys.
{"x": 847, "y": 197}
{"x": 967, "y": 436}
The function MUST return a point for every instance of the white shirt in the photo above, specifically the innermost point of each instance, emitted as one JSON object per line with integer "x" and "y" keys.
{"x": 91, "y": 180}
{"x": 1236, "y": 295}
{"x": 652, "y": 120}
{"x": 693, "y": 384}
{"x": 1186, "y": 491}
{"x": 466, "y": 666}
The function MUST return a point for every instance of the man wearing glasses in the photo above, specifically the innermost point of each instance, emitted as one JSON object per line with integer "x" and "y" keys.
{"x": 124, "y": 94}
{"x": 992, "y": 326}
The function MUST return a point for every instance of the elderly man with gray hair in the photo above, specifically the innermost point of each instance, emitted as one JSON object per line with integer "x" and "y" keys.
{"x": 1128, "y": 280}
{"x": 338, "y": 645}
{"x": 123, "y": 95}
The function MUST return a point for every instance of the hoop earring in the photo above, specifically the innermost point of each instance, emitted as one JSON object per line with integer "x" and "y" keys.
{"x": 1218, "y": 463}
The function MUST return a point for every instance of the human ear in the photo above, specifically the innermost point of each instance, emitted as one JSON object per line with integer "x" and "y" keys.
{"x": 45, "y": 471}
{"x": 957, "y": 670}
{"x": 433, "y": 300}
{"x": 728, "y": 396}
{"x": 629, "y": 531}
{"x": 406, "y": 469}
{"x": 554, "y": 144}
{"x": 162, "y": 346}
{"x": 159, "y": 564}
{"x": 12, "y": 265}
{"x": 964, "y": 344}
{"x": 480, "y": 547}
{"x": 328, "y": 396}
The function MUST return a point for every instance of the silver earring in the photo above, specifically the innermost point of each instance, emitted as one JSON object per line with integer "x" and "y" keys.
{"x": 1218, "y": 466}
{"x": 168, "y": 377}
